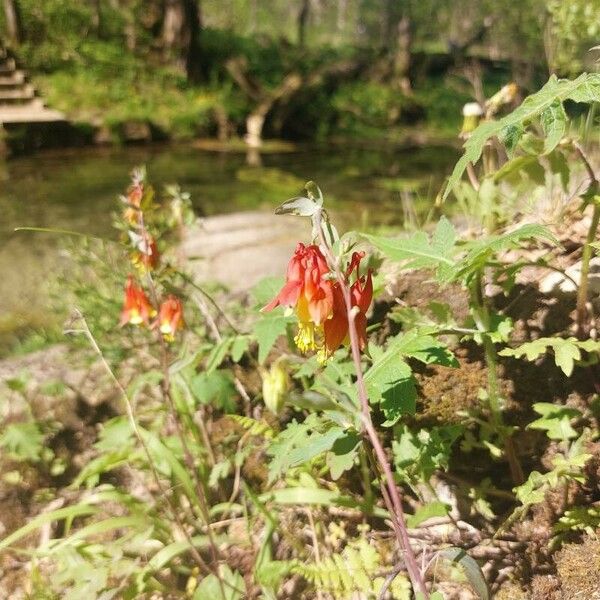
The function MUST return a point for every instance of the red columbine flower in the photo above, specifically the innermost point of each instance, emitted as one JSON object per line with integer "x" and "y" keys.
{"x": 170, "y": 317}
{"x": 136, "y": 306}
{"x": 135, "y": 193}
{"x": 146, "y": 256}
{"x": 319, "y": 301}
{"x": 309, "y": 292}
{"x": 361, "y": 295}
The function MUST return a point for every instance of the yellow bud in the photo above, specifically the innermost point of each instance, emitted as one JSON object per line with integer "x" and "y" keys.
{"x": 275, "y": 385}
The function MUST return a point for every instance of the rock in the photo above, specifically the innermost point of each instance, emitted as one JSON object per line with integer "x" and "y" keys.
{"x": 103, "y": 136}
{"x": 558, "y": 282}
{"x": 240, "y": 249}
{"x": 135, "y": 132}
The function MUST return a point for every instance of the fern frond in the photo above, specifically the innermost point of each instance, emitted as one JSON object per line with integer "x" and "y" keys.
{"x": 254, "y": 427}
{"x": 357, "y": 569}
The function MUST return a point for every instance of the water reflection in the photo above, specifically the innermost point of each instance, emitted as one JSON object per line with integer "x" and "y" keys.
{"x": 76, "y": 189}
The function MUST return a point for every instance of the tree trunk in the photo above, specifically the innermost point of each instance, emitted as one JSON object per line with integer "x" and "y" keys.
{"x": 256, "y": 119}
{"x": 96, "y": 17}
{"x": 14, "y": 26}
{"x": 401, "y": 57}
{"x": 181, "y": 35}
{"x": 302, "y": 22}
{"x": 253, "y": 19}
{"x": 340, "y": 22}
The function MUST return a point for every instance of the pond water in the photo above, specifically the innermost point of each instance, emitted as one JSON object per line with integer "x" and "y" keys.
{"x": 76, "y": 189}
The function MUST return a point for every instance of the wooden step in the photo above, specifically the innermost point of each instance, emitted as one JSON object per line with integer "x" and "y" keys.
{"x": 34, "y": 113}
{"x": 7, "y": 66}
{"x": 14, "y": 79}
{"x": 21, "y": 95}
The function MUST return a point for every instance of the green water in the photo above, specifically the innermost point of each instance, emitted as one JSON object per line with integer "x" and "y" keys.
{"x": 77, "y": 190}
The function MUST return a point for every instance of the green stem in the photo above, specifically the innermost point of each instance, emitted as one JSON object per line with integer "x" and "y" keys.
{"x": 482, "y": 319}
{"x": 366, "y": 477}
{"x": 491, "y": 361}
{"x": 582, "y": 292}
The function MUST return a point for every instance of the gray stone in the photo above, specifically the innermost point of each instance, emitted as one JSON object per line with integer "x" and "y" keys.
{"x": 240, "y": 249}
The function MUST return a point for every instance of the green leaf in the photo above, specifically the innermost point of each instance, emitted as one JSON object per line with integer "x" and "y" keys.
{"x": 239, "y": 347}
{"x": 24, "y": 441}
{"x": 480, "y": 251}
{"x": 215, "y": 388}
{"x": 586, "y": 88}
{"x": 420, "y": 345}
{"x": 314, "y": 445}
{"x": 567, "y": 351}
{"x": 343, "y": 454}
{"x": 166, "y": 554}
{"x": 390, "y": 382}
{"x": 389, "y": 379}
{"x": 533, "y": 490}
{"x": 69, "y": 512}
{"x": 272, "y": 573}
{"x": 471, "y": 569}
{"x": 418, "y": 454}
{"x": 166, "y": 461}
{"x": 510, "y": 136}
{"x": 115, "y": 433}
{"x": 300, "y": 442}
{"x": 98, "y": 528}
{"x": 555, "y": 420}
{"x": 565, "y": 356}
{"x": 218, "y": 354}
{"x": 210, "y": 588}
{"x": 418, "y": 251}
{"x": 106, "y": 462}
{"x": 266, "y": 289}
{"x": 554, "y": 125}
{"x": 513, "y": 169}
{"x": 428, "y": 511}
{"x": 304, "y": 495}
{"x": 268, "y": 329}
{"x": 560, "y": 166}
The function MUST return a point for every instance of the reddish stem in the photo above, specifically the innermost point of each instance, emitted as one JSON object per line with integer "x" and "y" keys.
{"x": 393, "y": 502}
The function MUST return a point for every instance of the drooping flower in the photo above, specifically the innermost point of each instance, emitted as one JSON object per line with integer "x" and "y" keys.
{"x": 170, "y": 317}
{"x": 309, "y": 292}
{"x": 133, "y": 200}
{"x": 146, "y": 255}
{"x": 361, "y": 295}
{"x": 319, "y": 302}
{"x": 136, "y": 306}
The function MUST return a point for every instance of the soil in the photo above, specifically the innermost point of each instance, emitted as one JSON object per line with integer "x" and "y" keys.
{"x": 528, "y": 569}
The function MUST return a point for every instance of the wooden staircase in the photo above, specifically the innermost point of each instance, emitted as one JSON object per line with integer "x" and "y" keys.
{"x": 18, "y": 100}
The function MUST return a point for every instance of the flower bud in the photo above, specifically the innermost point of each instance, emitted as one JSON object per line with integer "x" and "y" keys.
{"x": 275, "y": 386}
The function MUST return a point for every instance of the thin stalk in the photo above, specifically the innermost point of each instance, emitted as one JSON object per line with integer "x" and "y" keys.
{"x": 167, "y": 395}
{"x": 134, "y": 426}
{"x": 315, "y": 543}
{"x": 582, "y": 292}
{"x": 481, "y": 316}
{"x": 187, "y": 454}
{"x": 395, "y": 503}
{"x": 366, "y": 478}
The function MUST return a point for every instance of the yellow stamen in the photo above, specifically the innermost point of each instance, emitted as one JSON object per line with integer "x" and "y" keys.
{"x": 135, "y": 317}
{"x": 309, "y": 337}
{"x": 322, "y": 356}
{"x": 305, "y": 338}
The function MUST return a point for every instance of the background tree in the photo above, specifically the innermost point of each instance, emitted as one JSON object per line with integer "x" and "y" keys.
{"x": 14, "y": 25}
{"x": 181, "y": 35}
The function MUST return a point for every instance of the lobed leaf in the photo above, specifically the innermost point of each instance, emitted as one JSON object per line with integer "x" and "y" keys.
{"x": 586, "y": 88}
